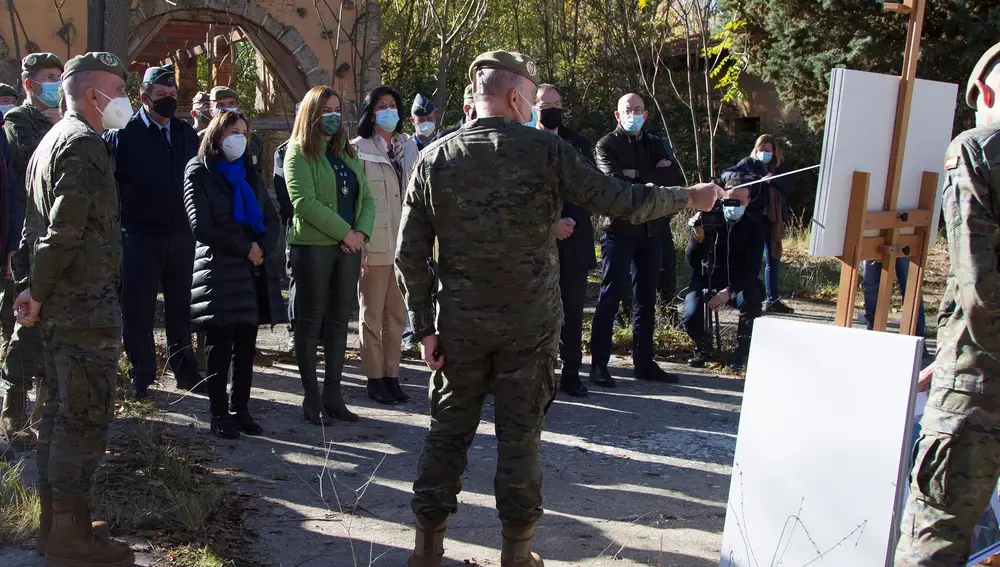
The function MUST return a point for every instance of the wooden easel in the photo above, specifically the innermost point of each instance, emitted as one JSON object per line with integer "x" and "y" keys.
{"x": 890, "y": 245}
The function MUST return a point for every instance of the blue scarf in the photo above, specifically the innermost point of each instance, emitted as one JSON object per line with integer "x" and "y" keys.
{"x": 246, "y": 208}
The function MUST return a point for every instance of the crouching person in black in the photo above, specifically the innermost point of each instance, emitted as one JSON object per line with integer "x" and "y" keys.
{"x": 725, "y": 254}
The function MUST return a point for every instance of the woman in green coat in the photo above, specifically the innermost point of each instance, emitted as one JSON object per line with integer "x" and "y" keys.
{"x": 334, "y": 214}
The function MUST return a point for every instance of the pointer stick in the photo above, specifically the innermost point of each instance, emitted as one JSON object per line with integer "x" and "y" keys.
{"x": 773, "y": 177}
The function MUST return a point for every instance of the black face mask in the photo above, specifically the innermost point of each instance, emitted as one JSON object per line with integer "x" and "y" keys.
{"x": 165, "y": 107}
{"x": 551, "y": 118}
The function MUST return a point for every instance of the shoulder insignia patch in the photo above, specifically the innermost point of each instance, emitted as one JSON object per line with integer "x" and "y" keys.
{"x": 951, "y": 162}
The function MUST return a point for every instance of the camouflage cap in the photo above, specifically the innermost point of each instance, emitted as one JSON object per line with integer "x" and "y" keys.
{"x": 38, "y": 61}
{"x": 95, "y": 61}
{"x": 223, "y": 92}
{"x": 506, "y": 60}
{"x": 7, "y": 90}
{"x": 160, "y": 76}
{"x": 979, "y": 72}
{"x": 201, "y": 98}
{"x": 469, "y": 96}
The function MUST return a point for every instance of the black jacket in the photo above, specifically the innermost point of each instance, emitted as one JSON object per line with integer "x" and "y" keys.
{"x": 11, "y": 207}
{"x": 619, "y": 154}
{"x": 226, "y": 288}
{"x": 751, "y": 169}
{"x": 736, "y": 256}
{"x": 285, "y": 208}
{"x": 578, "y": 249}
{"x": 151, "y": 177}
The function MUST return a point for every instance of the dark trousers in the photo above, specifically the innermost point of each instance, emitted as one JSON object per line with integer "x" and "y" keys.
{"x": 231, "y": 347}
{"x": 151, "y": 262}
{"x": 617, "y": 255}
{"x": 291, "y": 283}
{"x": 573, "y": 287}
{"x": 748, "y": 301}
{"x": 326, "y": 279}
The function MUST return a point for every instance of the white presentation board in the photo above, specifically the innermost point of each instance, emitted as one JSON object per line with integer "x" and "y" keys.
{"x": 825, "y": 425}
{"x": 860, "y": 118}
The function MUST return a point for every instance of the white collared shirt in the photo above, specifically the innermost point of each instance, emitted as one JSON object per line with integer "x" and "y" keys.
{"x": 145, "y": 118}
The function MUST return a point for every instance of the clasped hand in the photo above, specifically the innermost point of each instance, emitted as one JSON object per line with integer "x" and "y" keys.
{"x": 27, "y": 311}
{"x": 353, "y": 242}
{"x": 256, "y": 255}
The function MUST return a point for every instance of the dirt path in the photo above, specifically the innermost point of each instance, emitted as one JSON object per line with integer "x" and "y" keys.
{"x": 632, "y": 472}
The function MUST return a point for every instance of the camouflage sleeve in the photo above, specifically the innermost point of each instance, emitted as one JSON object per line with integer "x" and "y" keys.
{"x": 971, "y": 219}
{"x": 415, "y": 244}
{"x": 581, "y": 183}
{"x": 77, "y": 169}
{"x": 22, "y": 143}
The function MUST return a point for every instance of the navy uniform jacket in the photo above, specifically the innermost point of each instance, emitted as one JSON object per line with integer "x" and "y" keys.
{"x": 150, "y": 178}
{"x": 578, "y": 249}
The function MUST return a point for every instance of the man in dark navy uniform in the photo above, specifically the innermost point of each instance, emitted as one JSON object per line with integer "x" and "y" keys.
{"x": 151, "y": 153}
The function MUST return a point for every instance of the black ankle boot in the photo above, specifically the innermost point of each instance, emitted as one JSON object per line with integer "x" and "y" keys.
{"x": 394, "y": 389}
{"x": 378, "y": 390}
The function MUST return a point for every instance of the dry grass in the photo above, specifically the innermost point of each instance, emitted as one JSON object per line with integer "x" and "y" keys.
{"x": 19, "y": 506}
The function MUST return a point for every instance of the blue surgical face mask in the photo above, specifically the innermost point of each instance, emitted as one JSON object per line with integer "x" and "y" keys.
{"x": 733, "y": 214}
{"x": 764, "y": 157}
{"x": 50, "y": 94}
{"x": 533, "y": 122}
{"x": 387, "y": 119}
{"x": 632, "y": 123}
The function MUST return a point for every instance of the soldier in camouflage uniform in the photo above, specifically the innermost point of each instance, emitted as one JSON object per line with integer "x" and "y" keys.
{"x": 201, "y": 111}
{"x": 8, "y": 98}
{"x": 491, "y": 194}
{"x": 957, "y": 460}
{"x": 73, "y": 237}
{"x": 24, "y": 127}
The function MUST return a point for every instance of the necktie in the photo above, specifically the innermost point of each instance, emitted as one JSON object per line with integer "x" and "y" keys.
{"x": 166, "y": 140}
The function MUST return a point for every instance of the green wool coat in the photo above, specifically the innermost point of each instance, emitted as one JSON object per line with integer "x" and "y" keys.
{"x": 312, "y": 188}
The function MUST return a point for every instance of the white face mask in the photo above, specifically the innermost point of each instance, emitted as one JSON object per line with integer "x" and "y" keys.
{"x": 5, "y": 108}
{"x": 425, "y": 129}
{"x": 117, "y": 113}
{"x": 218, "y": 111}
{"x": 234, "y": 146}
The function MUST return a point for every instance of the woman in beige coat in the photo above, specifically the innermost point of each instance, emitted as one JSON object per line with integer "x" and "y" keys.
{"x": 387, "y": 156}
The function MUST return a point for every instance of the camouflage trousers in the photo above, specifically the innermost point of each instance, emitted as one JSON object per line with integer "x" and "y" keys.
{"x": 7, "y": 297}
{"x": 955, "y": 471}
{"x": 521, "y": 376}
{"x": 82, "y": 368}
{"x": 25, "y": 359}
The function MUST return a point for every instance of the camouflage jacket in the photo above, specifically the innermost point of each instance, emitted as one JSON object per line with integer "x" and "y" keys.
{"x": 72, "y": 228}
{"x": 968, "y": 356}
{"x": 491, "y": 194}
{"x": 24, "y": 126}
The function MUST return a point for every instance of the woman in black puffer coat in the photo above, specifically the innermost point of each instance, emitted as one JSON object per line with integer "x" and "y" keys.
{"x": 232, "y": 291}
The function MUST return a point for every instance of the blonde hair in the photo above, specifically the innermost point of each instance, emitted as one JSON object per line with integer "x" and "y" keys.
{"x": 307, "y": 133}
{"x": 777, "y": 158}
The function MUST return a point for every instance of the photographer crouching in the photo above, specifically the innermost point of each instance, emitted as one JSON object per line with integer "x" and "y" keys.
{"x": 725, "y": 253}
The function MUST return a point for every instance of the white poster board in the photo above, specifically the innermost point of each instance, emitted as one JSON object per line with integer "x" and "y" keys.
{"x": 860, "y": 118}
{"x": 825, "y": 425}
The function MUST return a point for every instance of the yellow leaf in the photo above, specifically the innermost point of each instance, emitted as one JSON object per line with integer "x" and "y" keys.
{"x": 643, "y": 4}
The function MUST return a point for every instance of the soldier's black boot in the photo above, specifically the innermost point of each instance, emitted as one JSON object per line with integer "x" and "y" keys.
{"x": 428, "y": 549}
{"x": 516, "y": 551}
{"x": 569, "y": 382}
{"x": 600, "y": 376}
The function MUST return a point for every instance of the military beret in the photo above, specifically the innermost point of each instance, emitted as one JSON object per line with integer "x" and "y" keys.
{"x": 201, "y": 98}
{"x": 38, "y": 61}
{"x": 223, "y": 92}
{"x": 469, "y": 95}
{"x": 421, "y": 106}
{"x": 95, "y": 61}
{"x": 506, "y": 60}
{"x": 7, "y": 90}
{"x": 160, "y": 76}
{"x": 979, "y": 72}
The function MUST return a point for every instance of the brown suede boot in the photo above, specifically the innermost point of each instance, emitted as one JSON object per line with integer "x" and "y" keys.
{"x": 99, "y": 530}
{"x": 70, "y": 544}
{"x": 428, "y": 551}
{"x": 516, "y": 550}
{"x": 14, "y": 416}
